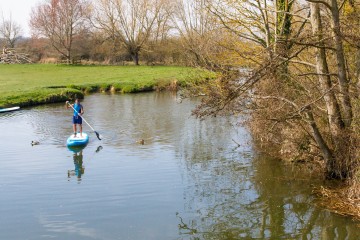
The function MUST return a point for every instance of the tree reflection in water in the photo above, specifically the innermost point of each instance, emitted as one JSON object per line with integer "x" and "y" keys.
{"x": 236, "y": 194}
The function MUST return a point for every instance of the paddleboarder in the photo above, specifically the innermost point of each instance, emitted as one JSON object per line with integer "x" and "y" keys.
{"x": 78, "y": 112}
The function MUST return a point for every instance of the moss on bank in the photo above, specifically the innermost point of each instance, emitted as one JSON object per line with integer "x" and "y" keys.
{"x": 27, "y": 85}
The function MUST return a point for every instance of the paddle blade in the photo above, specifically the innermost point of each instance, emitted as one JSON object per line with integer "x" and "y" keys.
{"x": 97, "y": 135}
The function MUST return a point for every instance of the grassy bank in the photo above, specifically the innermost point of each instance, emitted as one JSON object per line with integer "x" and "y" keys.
{"x": 26, "y": 85}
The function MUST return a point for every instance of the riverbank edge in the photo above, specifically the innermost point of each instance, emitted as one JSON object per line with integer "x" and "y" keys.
{"x": 56, "y": 94}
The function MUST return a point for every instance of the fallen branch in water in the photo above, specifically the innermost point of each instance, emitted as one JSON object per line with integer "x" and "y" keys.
{"x": 338, "y": 201}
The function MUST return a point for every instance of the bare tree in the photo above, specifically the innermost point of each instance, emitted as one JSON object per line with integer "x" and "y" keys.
{"x": 60, "y": 21}
{"x": 198, "y": 31}
{"x": 130, "y": 22}
{"x": 163, "y": 22}
{"x": 298, "y": 93}
{"x": 10, "y": 31}
{"x": 336, "y": 123}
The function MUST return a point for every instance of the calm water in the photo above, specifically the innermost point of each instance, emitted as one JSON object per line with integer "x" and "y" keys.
{"x": 189, "y": 180}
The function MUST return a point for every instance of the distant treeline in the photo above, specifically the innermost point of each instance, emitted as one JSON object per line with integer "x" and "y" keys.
{"x": 87, "y": 49}
{"x": 116, "y": 32}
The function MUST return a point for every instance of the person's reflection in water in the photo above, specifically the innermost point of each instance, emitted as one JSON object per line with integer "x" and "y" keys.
{"x": 79, "y": 168}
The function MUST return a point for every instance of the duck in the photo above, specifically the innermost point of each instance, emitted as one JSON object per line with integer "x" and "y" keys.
{"x": 141, "y": 141}
{"x": 35, "y": 143}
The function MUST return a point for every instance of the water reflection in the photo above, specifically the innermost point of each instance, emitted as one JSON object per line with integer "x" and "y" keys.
{"x": 233, "y": 193}
{"x": 79, "y": 168}
{"x": 77, "y": 157}
{"x": 287, "y": 208}
{"x": 190, "y": 180}
{"x": 274, "y": 203}
{"x": 98, "y": 149}
{"x": 288, "y": 204}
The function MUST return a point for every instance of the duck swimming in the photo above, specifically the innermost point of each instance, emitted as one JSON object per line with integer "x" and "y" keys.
{"x": 141, "y": 141}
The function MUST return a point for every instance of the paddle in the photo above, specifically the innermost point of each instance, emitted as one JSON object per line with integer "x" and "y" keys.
{"x": 97, "y": 134}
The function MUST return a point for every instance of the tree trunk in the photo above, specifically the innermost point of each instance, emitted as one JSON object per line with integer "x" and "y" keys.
{"x": 340, "y": 57}
{"x": 335, "y": 159}
{"x": 282, "y": 32}
{"x": 135, "y": 57}
{"x": 357, "y": 75}
{"x": 324, "y": 149}
{"x": 12, "y": 43}
{"x": 332, "y": 106}
{"x": 68, "y": 57}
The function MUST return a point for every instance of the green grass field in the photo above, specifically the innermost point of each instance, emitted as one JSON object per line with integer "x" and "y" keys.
{"x": 33, "y": 84}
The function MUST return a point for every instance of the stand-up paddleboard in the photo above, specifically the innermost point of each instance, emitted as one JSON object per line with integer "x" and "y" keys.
{"x": 97, "y": 134}
{"x": 9, "y": 109}
{"x": 74, "y": 141}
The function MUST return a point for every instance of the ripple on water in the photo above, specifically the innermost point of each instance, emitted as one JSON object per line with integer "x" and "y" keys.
{"x": 9, "y": 115}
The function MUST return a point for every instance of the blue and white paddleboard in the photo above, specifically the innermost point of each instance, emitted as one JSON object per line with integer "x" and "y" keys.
{"x": 9, "y": 109}
{"x": 74, "y": 141}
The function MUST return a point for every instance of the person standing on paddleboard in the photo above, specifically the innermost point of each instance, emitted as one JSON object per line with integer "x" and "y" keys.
{"x": 78, "y": 111}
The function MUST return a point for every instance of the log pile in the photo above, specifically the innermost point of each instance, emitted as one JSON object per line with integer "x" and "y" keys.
{"x": 10, "y": 56}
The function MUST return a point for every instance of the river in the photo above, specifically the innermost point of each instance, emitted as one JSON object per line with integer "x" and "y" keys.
{"x": 188, "y": 181}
